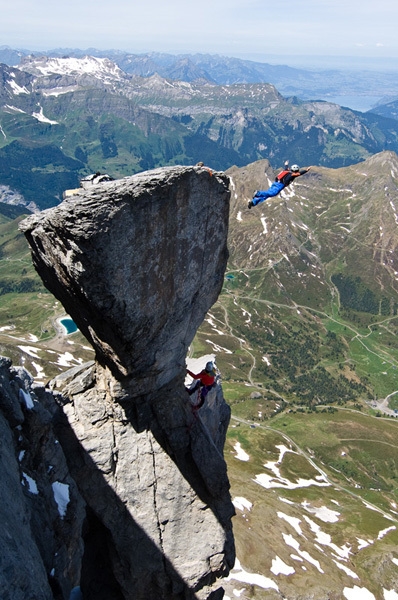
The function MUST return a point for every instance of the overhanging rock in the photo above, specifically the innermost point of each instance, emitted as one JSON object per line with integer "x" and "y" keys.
{"x": 137, "y": 263}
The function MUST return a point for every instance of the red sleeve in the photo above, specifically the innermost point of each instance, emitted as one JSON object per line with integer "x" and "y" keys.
{"x": 193, "y": 374}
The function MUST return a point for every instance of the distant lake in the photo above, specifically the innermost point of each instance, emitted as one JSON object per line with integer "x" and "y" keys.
{"x": 68, "y": 324}
{"x": 361, "y": 103}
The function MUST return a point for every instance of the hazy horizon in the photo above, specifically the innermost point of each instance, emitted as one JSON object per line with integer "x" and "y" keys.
{"x": 308, "y": 31}
{"x": 319, "y": 62}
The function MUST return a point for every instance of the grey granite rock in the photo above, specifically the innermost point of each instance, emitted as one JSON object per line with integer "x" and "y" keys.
{"x": 41, "y": 510}
{"x": 137, "y": 263}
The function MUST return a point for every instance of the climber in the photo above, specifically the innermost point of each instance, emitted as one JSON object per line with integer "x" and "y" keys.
{"x": 205, "y": 381}
{"x": 282, "y": 180}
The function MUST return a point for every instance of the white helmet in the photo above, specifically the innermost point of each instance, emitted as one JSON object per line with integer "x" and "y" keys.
{"x": 295, "y": 168}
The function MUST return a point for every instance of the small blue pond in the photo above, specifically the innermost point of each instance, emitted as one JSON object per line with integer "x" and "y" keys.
{"x": 230, "y": 277}
{"x": 69, "y": 325}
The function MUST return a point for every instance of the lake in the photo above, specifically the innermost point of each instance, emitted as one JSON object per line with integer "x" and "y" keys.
{"x": 68, "y": 324}
{"x": 360, "y": 103}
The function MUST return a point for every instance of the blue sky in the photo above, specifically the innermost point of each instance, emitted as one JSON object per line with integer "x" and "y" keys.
{"x": 251, "y": 29}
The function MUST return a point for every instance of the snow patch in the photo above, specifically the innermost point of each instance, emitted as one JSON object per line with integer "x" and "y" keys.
{"x": 17, "y": 89}
{"x": 239, "y": 574}
{"x": 290, "y": 541}
{"x": 277, "y": 481}
{"x": 26, "y": 398}
{"x": 65, "y": 360}
{"x": 197, "y": 364}
{"x": 14, "y": 108}
{"x": 218, "y": 348}
{"x": 40, "y": 117}
{"x": 30, "y": 484}
{"x": 364, "y": 543}
{"x": 214, "y": 327}
{"x": 30, "y": 350}
{"x": 278, "y": 567}
{"x": 293, "y": 521}
{"x": 58, "y": 91}
{"x": 323, "y": 513}
{"x": 385, "y": 531}
{"x": 285, "y": 500}
{"x": 325, "y": 540}
{"x": 79, "y": 66}
{"x": 346, "y": 570}
{"x": 40, "y": 371}
{"x": 357, "y": 593}
{"x": 240, "y": 453}
{"x": 242, "y": 504}
{"x": 61, "y": 497}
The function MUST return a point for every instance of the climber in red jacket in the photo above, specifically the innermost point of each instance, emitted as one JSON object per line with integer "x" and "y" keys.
{"x": 206, "y": 379}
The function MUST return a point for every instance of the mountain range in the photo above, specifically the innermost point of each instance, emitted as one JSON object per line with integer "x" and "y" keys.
{"x": 307, "y": 84}
{"x": 62, "y": 118}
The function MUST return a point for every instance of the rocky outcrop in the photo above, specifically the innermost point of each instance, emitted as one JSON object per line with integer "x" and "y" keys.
{"x": 137, "y": 263}
{"x": 41, "y": 509}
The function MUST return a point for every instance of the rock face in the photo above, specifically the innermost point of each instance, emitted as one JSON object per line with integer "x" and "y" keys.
{"x": 137, "y": 263}
{"x": 41, "y": 509}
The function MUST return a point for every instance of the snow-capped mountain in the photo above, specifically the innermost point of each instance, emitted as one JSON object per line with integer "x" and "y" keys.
{"x": 63, "y": 75}
{"x": 99, "y": 67}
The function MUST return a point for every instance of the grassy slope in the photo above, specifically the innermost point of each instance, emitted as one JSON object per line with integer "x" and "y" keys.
{"x": 267, "y": 530}
{"x": 278, "y": 320}
{"x": 280, "y": 314}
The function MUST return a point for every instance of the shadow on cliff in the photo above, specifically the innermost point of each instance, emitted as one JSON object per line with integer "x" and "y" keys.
{"x": 121, "y": 561}
{"x": 193, "y": 439}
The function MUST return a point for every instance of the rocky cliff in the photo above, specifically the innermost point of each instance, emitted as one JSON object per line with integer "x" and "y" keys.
{"x": 137, "y": 263}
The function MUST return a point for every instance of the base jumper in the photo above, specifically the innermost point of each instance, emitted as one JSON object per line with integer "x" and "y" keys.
{"x": 282, "y": 180}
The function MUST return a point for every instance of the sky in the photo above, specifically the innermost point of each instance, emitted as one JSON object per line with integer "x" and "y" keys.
{"x": 251, "y": 29}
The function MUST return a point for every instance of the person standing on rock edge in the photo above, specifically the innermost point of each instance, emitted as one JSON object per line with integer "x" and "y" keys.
{"x": 282, "y": 180}
{"x": 205, "y": 381}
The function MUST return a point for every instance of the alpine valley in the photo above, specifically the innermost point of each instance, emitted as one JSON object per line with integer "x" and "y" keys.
{"x": 64, "y": 117}
{"x": 304, "y": 330}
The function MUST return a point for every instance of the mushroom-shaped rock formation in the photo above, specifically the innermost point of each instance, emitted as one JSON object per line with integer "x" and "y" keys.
{"x": 137, "y": 263}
